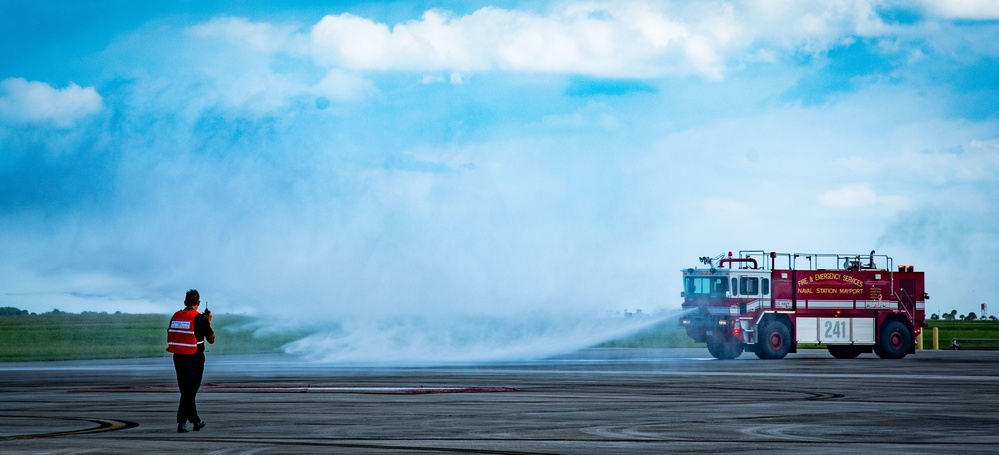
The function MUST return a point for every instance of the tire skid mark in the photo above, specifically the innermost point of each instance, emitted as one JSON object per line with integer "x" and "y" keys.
{"x": 103, "y": 426}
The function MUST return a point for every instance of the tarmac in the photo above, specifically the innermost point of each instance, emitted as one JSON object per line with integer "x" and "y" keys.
{"x": 596, "y": 401}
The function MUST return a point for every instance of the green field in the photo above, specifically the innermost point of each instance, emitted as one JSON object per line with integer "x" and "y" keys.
{"x": 959, "y": 329}
{"x": 108, "y": 336}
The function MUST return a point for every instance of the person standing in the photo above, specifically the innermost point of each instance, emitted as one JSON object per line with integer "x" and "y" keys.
{"x": 186, "y": 338}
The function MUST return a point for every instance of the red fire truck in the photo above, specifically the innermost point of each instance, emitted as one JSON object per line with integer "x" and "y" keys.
{"x": 768, "y": 303}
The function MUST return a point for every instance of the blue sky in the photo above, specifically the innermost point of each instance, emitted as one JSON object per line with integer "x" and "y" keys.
{"x": 361, "y": 161}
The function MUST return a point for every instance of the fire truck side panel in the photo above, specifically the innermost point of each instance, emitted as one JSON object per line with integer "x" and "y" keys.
{"x": 835, "y": 330}
{"x": 783, "y": 290}
{"x": 863, "y": 331}
{"x": 807, "y": 330}
{"x": 909, "y": 289}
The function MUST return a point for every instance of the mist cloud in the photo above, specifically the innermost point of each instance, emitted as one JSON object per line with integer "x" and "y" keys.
{"x": 963, "y": 9}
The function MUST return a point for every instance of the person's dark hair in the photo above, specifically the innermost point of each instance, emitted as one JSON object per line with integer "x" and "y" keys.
{"x": 192, "y": 298}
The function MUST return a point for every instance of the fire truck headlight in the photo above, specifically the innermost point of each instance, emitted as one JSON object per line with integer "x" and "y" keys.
{"x": 722, "y": 322}
{"x": 685, "y": 321}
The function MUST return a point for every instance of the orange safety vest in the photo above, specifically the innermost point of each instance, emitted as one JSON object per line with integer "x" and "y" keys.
{"x": 180, "y": 335}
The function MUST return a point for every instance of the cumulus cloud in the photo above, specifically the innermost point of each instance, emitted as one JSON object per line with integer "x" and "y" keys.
{"x": 23, "y": 101}
{"x": 247, "y": 65}
{"x": 600, "y": 39}
{"x": 261, "y": 65}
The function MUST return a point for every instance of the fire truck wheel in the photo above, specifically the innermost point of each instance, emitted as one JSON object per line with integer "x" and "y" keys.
{"x": 895, "y": 340}
{"x": 725, "y": 349}
{"x": 774, "y": 341}
{"x": 844, "y": 352}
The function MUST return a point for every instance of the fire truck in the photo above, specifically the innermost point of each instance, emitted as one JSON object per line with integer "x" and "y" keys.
{"x": 769, "y": 303}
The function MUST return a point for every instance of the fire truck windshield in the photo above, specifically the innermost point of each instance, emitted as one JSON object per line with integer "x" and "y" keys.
{"x": 705, "y": 285}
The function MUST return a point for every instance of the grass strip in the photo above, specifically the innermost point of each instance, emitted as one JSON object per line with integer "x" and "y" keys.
{"x": 110, "y": 336}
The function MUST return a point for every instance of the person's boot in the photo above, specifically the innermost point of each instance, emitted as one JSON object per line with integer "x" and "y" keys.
{"x": 198, "y": 426}
{"x": 182, "y": 428}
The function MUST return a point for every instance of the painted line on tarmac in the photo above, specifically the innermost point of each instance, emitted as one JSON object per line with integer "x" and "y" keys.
{"x": 103, "y": 426}
{"x": 379, "y": 444}
{"x": 307, "y": 388}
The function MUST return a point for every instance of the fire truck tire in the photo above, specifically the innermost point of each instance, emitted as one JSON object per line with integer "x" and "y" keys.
{"x": 895, "y": 340}
{"x": 775, "y": 340}
{"x": 725, "y": 349}
{"x": 844, "y": 352}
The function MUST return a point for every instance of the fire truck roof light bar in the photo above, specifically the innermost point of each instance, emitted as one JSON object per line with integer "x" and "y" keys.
{"x": 820, "y": 261}
{"x": 731, "y": 260}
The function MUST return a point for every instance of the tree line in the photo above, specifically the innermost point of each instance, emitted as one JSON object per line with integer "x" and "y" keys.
{"x": 12, "y": 311}
{"x": 952, "y": 316}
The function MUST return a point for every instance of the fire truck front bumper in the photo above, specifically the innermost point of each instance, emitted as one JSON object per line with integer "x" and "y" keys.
{"x": 702, "y": 329}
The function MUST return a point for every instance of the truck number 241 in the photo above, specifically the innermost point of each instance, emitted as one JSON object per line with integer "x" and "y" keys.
{"x": 836, "y": 329}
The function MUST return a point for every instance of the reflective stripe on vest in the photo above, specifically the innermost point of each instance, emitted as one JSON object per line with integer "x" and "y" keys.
{"x": 180, "y": 334}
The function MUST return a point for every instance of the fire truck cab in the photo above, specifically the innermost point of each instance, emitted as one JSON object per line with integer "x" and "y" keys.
{"x": 768, "y": 303}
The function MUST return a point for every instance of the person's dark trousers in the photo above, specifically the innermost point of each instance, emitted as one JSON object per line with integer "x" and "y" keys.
{"x": 190, "y": 369}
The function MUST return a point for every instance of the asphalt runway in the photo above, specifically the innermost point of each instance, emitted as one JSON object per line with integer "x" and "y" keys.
{"x": 598, "y": 401}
